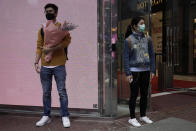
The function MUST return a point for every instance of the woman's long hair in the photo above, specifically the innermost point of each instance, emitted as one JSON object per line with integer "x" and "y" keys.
{"x": 130, "y": 27}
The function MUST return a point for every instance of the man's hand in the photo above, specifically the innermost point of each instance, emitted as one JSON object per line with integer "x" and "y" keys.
{"x": 37, "y": 68}
{"x": 130, "y": 78}
{"x": 151, "y": 76}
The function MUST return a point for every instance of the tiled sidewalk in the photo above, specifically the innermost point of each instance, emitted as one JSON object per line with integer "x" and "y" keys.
{"x": 177, "y": 107}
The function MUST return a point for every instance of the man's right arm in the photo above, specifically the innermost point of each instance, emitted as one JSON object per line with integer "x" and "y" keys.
{"x": 40, "y": 43}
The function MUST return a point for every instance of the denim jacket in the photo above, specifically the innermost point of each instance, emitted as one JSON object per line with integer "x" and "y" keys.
{"x": 139, "y": 53}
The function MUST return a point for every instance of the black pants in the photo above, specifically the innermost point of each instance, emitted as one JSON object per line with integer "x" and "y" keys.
{"x": 140, "y": 80}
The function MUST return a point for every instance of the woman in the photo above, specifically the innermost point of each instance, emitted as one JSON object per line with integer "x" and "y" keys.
{"x": 139, "y": 67}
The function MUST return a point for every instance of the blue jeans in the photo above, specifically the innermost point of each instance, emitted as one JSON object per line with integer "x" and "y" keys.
{"x": 59, "y": 73}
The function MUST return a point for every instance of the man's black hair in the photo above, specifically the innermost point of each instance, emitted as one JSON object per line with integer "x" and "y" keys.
{"x": 53, "y": 6}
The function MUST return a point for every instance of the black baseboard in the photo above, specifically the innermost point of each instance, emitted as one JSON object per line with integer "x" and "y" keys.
{"x": 38, "y": 110}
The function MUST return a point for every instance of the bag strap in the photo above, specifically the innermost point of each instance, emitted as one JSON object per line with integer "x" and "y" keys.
{"x": 129, "y": 42}
{"x": 66, "y": 52}
{"x": 42, "y": 33}
{"x": 147, "y": 37}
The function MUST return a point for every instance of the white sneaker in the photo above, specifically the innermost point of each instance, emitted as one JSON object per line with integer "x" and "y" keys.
{"x": 134, "y": 122}
{"x": 146, "y": 120}
{"x": 66, "y": 122}
{"x": 44, "y": 120}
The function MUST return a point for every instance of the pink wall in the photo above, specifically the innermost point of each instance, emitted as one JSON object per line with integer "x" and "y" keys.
{"x": 20, "y": 21}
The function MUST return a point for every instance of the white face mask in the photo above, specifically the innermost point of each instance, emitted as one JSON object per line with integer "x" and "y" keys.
{"x": 142, "y": 28}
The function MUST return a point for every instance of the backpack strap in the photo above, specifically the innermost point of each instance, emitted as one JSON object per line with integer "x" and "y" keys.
{"x": 42, "y": 33}
{"x": 66, "y": 52}
{"x": 42, "y": 30}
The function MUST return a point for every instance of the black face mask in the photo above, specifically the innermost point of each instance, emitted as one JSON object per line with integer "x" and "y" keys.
{"x": 50, "y": 16}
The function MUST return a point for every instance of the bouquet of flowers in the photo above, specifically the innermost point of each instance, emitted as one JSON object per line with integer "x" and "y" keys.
{"x": 53, "y": 35}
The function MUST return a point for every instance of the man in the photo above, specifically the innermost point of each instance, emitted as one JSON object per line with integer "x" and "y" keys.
{"x": 55, "y": 67}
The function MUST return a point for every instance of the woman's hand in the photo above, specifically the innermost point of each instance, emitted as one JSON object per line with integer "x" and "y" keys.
{"x": 130, "y": 78}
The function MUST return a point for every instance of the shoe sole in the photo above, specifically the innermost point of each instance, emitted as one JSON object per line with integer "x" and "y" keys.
{"x": 67, "y": 127}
